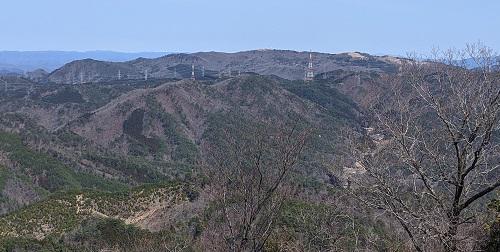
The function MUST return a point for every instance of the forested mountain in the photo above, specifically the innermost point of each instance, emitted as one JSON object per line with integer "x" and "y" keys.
{"x": 247, "y": 156}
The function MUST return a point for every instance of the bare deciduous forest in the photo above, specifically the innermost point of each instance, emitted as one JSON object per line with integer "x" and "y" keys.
{"x": 249, "y": 126}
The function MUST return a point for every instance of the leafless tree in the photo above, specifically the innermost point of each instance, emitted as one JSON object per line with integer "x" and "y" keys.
{"x": 248, "y": 172}
{"x": 440, "y": 154}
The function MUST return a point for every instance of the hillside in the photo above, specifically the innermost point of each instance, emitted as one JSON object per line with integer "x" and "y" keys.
{"x": 124, "y": 134}
{"x": 135, "y": 165}
{"x": 100, "y": 141}
{"x": 285, "y": 64}
{"x": 63, "y": 212}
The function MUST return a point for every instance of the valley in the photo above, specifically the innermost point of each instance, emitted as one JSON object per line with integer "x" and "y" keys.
{"x": 96, "y": 151}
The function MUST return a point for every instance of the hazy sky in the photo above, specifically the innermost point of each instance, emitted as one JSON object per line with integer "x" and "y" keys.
{"x": 373, "y": 26}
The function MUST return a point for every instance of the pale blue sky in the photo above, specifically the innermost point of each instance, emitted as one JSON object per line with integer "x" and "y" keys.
{"x": 373, "y": 26}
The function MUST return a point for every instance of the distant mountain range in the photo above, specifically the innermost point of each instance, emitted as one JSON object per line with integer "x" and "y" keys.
{"x": 285, "y": 64}
{"x": 20, "y": 61}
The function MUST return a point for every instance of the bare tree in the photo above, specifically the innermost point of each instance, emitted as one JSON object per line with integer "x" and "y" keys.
{"x": 440, "y": 155}
{"x": 248, "y": 171}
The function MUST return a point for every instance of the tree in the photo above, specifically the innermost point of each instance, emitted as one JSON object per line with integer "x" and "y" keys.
{"x": 440, "y": 154}
{"x": 492, "y": 241}
{"x": 248, "y": 171}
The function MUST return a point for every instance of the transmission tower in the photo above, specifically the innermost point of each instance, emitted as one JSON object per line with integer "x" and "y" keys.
{"x": 30, "y": 90}
{"x": 5, "y": 82}
{"x": 310, "y": 69}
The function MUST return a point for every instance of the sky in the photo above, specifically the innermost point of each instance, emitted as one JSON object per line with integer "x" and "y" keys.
{"x": 393, "y": 27}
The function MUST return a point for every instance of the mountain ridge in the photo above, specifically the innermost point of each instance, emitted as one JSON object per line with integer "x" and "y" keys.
{"x": 286, "y": 64}
{"x": 19, "y": 61}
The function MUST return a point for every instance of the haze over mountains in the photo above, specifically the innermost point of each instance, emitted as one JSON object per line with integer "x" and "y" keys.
{"x": 282, "y": 63}
{"x": 19, "y": 61}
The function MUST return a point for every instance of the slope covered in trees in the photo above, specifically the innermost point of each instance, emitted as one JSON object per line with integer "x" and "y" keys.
{"x": 358, "y": 159}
